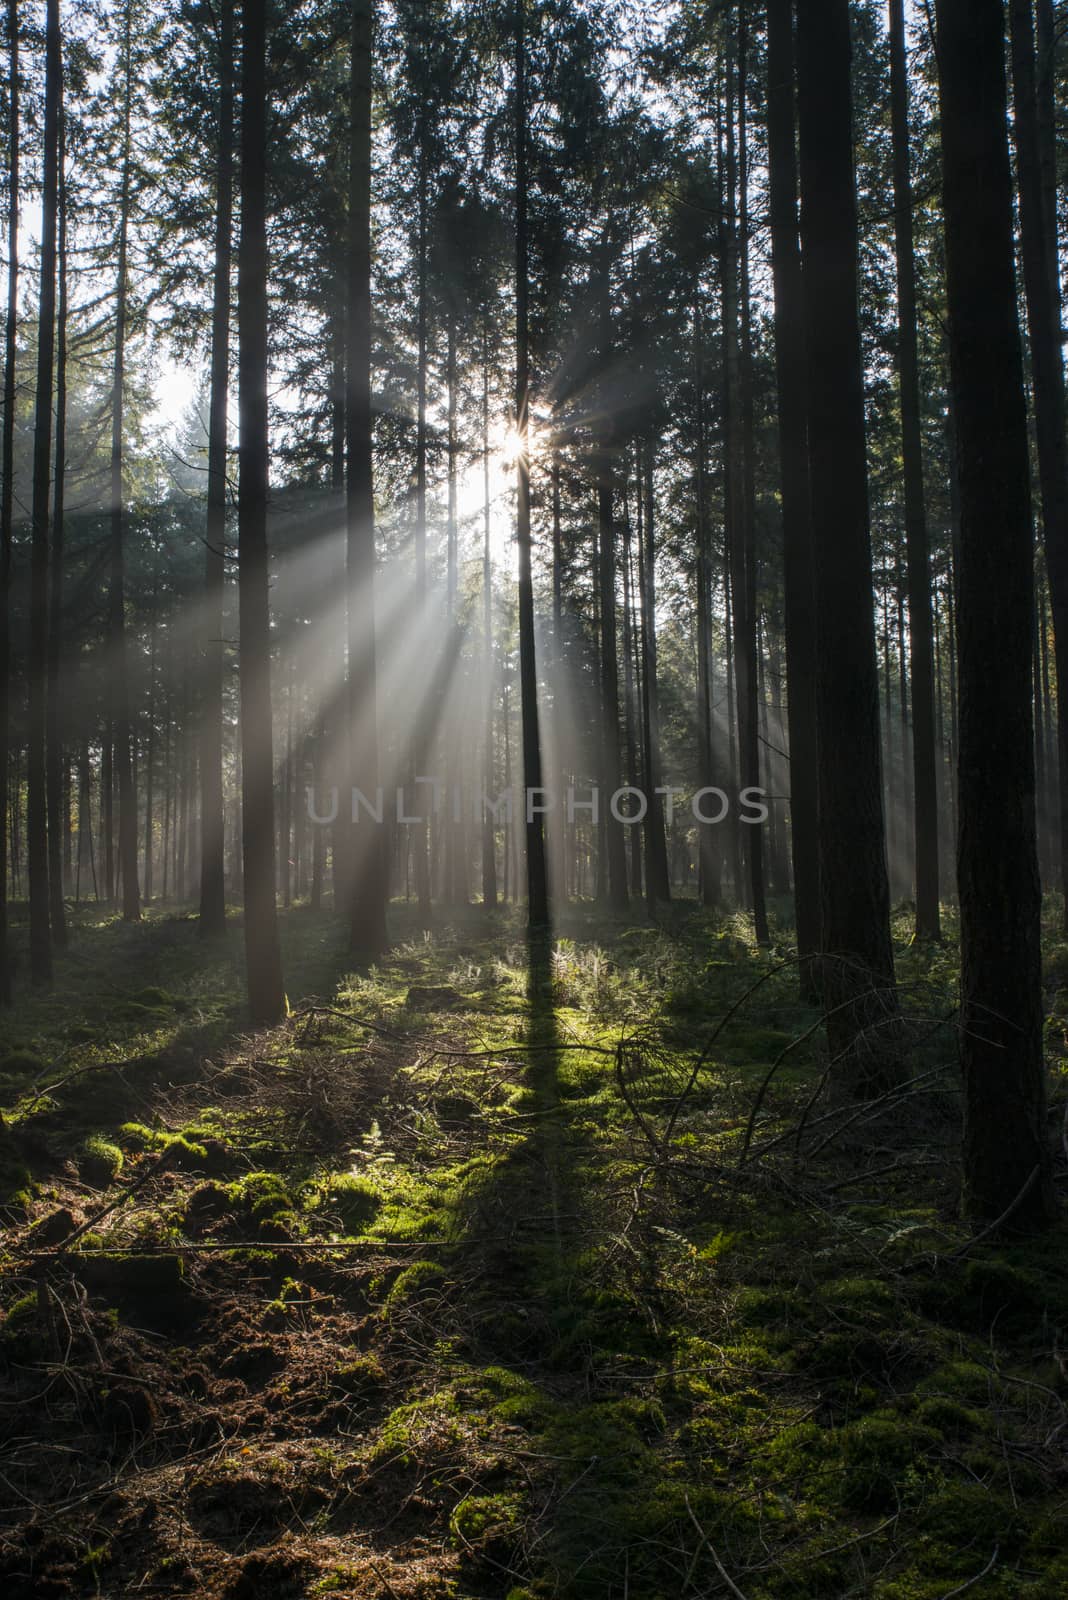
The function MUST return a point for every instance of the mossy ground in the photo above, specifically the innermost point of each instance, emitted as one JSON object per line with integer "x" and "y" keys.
{"x": 457, "y": 1284}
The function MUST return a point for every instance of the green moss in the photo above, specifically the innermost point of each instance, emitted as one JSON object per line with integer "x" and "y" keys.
{"x": 877, "y": 1455}
{"x": 354, "y": 1200}
{"x": 99, "y": 1161}
{"x": 416, "y": 1281}
{"x": 135, "y": 1136}
{"x": 360, "y": 1377}
{"x": 489, "y": 1522}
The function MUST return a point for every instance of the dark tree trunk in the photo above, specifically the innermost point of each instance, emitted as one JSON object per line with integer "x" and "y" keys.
{"x": 537, "y": 878}
{"x": 58, "y": 823}
{"x": 212, "y": 865}
{"x": 746, "y": 562}
{"x": 924, "y": 769}
{"x": 369, "y": 865}
{"x": 489, "y": 843}
{"x": 709, "y": 854}
{"x": 611, "y": 760}
{"x": 1042, "y": 289}
{"x": 1006, "y": 1153}
{"x": 262, "y": 955}
{"x": 7, "y": 467}
{"x": 657, "y": 878}
{"x": 799, "y": 593}
{"x": 118, "y": 685}
{"x": 420, "y": 831}
{"x": 37, "y": 663}
{"x": 858, "y": 968}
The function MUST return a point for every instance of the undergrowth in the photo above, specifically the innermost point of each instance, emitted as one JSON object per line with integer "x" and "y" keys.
{"x": 509, "y": 1271}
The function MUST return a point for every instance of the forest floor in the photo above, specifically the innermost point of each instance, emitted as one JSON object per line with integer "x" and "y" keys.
{"x": 508, "y": 1272}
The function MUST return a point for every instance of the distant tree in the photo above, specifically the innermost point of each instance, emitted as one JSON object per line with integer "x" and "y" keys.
{"x": 798, "y": 588}
{"x": 266, "y": 997}
{"x": 212, "y": 867}
{"x": 921, "y": 656}
{"x": 368, "y": 886}
{"x": 537, "y": 873}
{"x": 37, "y": 656}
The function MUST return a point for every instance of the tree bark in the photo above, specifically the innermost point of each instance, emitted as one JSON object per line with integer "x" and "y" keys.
{"x": 118, "y": 686}
{"x": 58, "y": 824}
{"x": 537, "y": 878}
{"x": 37, "y": 655}
{"x": 212, "y": 864}
{"x": 799, "y": 592}
{"x": 262, "y": 955}
{"x": 858, "y": 969}
{"x": 368, "y": 862}
{"x": 1042, "y": 290}
{"x": 745, "y": 567}
{"x": 924, "y": 767}
{"x": 489, "y": 842}
{"x": 1006, "y": 1153}
{"x": 7, "y": 467}
{"x": 657, "y": 877}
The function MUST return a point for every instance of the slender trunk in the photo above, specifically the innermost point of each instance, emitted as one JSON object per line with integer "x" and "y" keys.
{"x": 746, "y": 600}
{"x": 58, "y": 823}
{"x": 118, "y": 686}
{"x": 150, "y": 749}
{"x": 1006, "y": 1151}
{"x": 611, "y": 760}
{"x": 657, "y": 878}
{"x": 263, "y": 957}
{"x": 369, "y": 863}
{"x": 421, "y": 830}
{"x": 489, "y": 844}
{"x": 7, "y": 467}
{"x": 858, "y": 957}
{"x": 212, "y": 867}
{"x": 924, "y": 767}
{"x": 537, "y": 880}
{"x": 709, "y": 857}
{"x": 1047, "y": 371}
{"x": 37, "y": 662}
{"x": 799, "y": 594}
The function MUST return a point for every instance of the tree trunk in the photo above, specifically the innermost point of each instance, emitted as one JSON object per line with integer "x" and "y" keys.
{"x": 58, "y": 823}
{"x": 369, "y": 865}
{"x": 212, "y": 866}
{"x": 37, "y": 662}
{"x": 745, "y": 566}
{"x": 611, "y": 760}
{"x": 709, "y": 854}
{"x": 924, "y": 770}
{"x": 799, "y": 592}
{"x": 118, "y": 686}
{"x": 1006, "y": 1152}
{"x": 1042, "y": 290}
{"x": 858, "y": 968}
{"x": 489, "y": 842}
{"x": 657, "y": 879}
{"x": 7, "y": 467}
{"x": 537, "y": 879}
{"x": 262, "y": 954}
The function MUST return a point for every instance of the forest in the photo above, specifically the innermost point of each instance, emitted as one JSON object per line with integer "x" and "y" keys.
{"x": 534, "y": 799}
